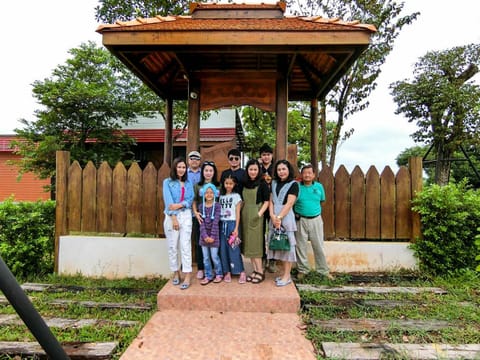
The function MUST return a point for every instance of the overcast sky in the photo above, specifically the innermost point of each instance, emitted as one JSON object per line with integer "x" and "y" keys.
{"x": 40, "y": 33}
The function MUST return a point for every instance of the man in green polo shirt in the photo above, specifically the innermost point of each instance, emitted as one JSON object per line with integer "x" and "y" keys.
{"x": 308, "y": 210}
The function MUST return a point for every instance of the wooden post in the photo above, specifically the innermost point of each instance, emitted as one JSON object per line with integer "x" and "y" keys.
{"x": 314, "y": 134}
{"x": 168, "y": 142}
{"x": 416, "y": 169}
{"x": 323, "y": 125}
{"x": 281, "y": 109}
{"x": 193, "y": 140}
{"x": 61, "y": 183}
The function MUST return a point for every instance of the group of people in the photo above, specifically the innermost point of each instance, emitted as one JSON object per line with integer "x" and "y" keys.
{"x": 228, "y": 218}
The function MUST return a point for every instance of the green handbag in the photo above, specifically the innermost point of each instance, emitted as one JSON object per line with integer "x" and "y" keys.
{"x": 279, "y": 240}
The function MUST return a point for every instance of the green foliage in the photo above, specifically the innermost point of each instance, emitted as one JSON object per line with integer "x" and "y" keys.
{"x": 443, "y": 100}
{"x": 110, "y": 11}
{"x": 27, "y": 237}
{"x": 85, "y": 104}
{"x": 350, "y": 94}
{"x": 449, "y": 217}
{"x": 477, "y": 243}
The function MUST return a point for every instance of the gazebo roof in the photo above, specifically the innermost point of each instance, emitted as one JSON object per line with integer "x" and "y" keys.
{"x": 237, "y": 41}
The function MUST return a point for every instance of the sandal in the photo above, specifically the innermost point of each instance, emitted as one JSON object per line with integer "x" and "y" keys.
{"x": 243, "y": 278}
{"x": 205, "y": 281}
{"x": 228, "y": 277}
{"x": 218, "y": 279}
{"x": 184, "y": 286}
{"x": 251, "y": 276}
{"x": 258, "y": 278}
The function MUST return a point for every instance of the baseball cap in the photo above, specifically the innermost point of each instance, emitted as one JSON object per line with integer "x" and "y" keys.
{"x": 194, "y": 155}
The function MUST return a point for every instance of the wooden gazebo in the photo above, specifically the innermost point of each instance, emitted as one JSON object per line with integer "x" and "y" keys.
{"x": 236, "y": 54}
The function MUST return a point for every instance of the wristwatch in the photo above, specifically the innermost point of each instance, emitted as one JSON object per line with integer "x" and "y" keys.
{"x": 279, "y": 217}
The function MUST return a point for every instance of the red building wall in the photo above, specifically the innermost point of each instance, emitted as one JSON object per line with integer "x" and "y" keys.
{"x": 29, "y": 188}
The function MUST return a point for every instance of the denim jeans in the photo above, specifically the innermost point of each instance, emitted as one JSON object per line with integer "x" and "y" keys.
{"x": 231, "y": 258}
{"x": 210, "y": 254}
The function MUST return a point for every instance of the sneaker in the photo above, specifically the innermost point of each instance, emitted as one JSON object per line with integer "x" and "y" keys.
{"x": 200, "y": 274}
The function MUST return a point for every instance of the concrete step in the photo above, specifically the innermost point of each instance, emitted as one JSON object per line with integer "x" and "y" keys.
{"x": 264, "y": 297}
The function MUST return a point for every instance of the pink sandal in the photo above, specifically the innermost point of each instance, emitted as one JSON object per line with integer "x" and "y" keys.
{"x": 218, "y": 279}
{"x": 228, "y": 277}
{"x": 243, "y": 278}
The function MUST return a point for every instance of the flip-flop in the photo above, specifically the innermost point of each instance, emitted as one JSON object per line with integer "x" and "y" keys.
{"x": 175, "y": 281}
{"x": 206, "y": 281}
{"x": 283, "y": 283}
{"x": 184, "y": 286}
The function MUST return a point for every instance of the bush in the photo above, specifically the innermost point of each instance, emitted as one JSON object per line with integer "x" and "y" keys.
{"x": 477, "y": 242}
{"x": 27, "y": 237}
{"x": 450, "y": 216}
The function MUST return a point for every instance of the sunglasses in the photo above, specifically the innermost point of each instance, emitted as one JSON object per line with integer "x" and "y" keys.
{"x": 234, "y": 158}
{"x": 211, "y": 163}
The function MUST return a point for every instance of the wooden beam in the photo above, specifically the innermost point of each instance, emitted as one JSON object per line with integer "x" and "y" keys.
{"x": 168, "y": 143}
{"x": 281, "y": 104}
{"x": 193, "y": 138}
{"x": 314, "y": 134}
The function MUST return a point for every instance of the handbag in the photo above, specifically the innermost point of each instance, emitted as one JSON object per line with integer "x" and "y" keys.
{"x": 279, "y": 240}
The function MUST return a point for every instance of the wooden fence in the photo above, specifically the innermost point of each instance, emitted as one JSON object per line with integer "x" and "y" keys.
{"x": 363, "y": 207}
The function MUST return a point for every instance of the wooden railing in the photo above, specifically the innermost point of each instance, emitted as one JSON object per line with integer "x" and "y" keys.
{"x": 362, "y": 207}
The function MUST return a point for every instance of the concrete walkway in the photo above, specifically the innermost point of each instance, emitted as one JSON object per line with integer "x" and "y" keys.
{"x": 225, "y": 321}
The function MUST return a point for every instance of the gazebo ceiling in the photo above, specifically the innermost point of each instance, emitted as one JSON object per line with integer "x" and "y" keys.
{"x": 237, "y": 43}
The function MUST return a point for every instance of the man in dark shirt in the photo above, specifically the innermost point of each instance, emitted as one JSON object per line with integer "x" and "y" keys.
{"x": 234, "y": 157}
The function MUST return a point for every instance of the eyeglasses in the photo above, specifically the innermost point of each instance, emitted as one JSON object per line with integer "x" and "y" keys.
{"x": 211, "y": 163}
{"x": 234, "y": 158}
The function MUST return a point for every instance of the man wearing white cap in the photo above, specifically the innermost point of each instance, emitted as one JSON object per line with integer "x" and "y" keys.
{"x": 193, "y": 175}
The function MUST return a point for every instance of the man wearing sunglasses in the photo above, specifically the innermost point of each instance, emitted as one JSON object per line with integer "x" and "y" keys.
{"x": 234, "y": 157}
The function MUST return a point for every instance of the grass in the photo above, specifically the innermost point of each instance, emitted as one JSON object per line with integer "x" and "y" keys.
{"x": 460, "y": 307}
{"x": 131, "y": 291}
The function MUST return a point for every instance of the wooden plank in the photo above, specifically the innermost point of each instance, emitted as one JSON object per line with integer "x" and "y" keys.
{"x": 75, "y": 351}
{"x": 74, "y": 206}
{"x": 342, "y": 203}
{"x": 387, "y": 205}
{"x": 101, "y": 305}
{"x": 328, "y": 207}
{"x": 163, "y": 173}
{"x": 372, "y": 204}
{"x": 357, "y": 208}
{"x": 104, "y": 198}
{"x": 363, "y": 324}
{"x": 349, "y": 302}
{"x": 89, "y": 196}
{"x": 374, "y": 351}
{"x": 404, "y": 213}
{"x": 119, "y": 199}
{"x": 63, "y": 323}
{"x": 371, "y": 289}
{"x": 416, "y": 175}
{"x": 134, "y": 199}
{"x": 149, "y": 200}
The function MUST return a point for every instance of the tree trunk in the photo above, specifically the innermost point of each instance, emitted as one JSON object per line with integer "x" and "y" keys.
{"x": 442, "y": 165}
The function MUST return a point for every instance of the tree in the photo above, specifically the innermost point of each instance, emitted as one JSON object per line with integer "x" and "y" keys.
{"x": 112, "y": 10}
{"x": 350, "y": 95}
{"x": 84, "y": 103}
{"x": 259, "y": 128}
{"x": 443, "y": 100}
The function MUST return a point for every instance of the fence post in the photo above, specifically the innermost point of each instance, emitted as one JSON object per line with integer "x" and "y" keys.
{"x": 416, "y": 169}
{"x": 61, "y": 181}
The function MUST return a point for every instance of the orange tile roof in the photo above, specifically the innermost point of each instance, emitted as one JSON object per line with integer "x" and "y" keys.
{"x": 179, "y": 23}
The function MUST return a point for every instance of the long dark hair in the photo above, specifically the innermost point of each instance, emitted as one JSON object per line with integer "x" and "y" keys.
{"x": 173, "y": 169}
{"x": 251, "y": 183}
{"x": 228, "y": 177}
{"x": 215, "y": 173}
{"x": 291, "y": 174}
